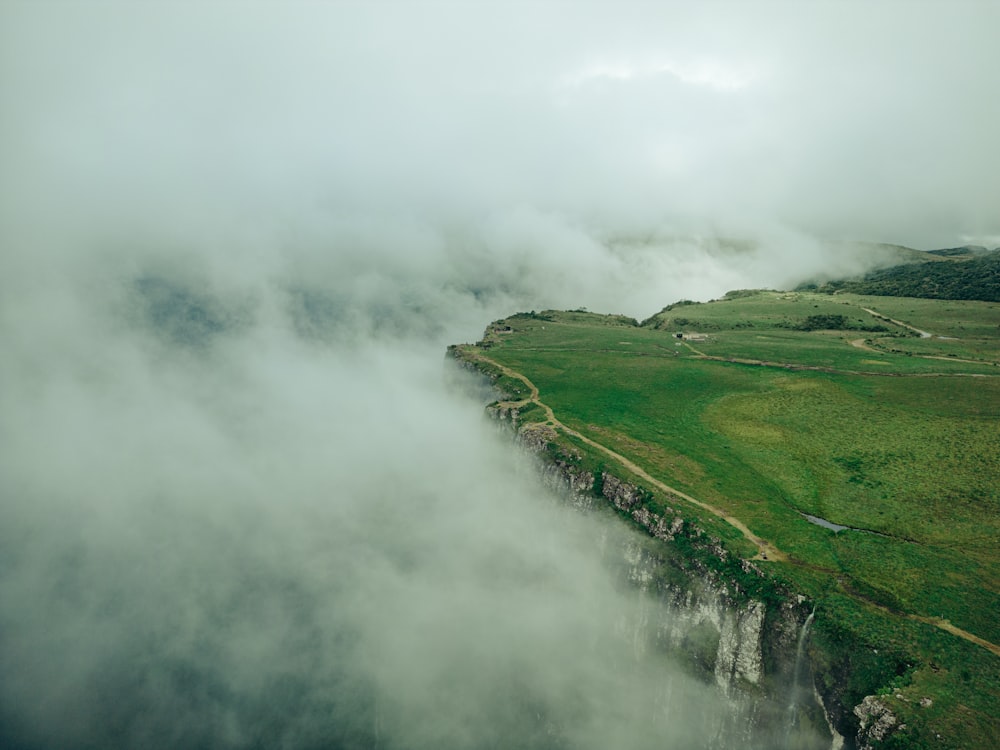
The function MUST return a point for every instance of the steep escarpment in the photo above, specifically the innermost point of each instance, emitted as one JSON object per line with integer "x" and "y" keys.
{"x": 716, "y": 448}
{"x": 728, "y": 623}
{"x": 732, "y": 622}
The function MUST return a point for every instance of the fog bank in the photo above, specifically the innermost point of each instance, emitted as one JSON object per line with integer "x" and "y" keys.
{"x": 230, "y": 522}
{"x": 242, "y": 502}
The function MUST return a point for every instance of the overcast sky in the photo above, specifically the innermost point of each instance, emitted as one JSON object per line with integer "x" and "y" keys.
{"x": 240, "y": 502}
{"x": 858, "y": 119}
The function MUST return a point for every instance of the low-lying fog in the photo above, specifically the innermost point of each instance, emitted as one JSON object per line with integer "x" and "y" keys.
{"x": 243, "y": 501}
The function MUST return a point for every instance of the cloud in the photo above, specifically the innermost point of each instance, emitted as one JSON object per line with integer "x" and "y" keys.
{"x": 241, "y": 505}
{"x": 865, "y": 120}
{"x": 219, "y": 532}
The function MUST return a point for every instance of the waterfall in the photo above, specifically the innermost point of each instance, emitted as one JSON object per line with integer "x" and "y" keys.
{"x": 793, "y": 702}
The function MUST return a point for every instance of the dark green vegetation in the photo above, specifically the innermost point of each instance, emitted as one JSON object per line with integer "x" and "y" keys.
{"x": 759, "y": 413}
{"x": 961, "y": 274}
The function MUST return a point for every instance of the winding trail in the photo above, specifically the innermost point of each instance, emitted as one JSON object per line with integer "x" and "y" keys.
{"x": 880, "y": 316}
{"x": 766, "y": 551}
{"x": 946, "y": 625}
{"x": 862, "y": 343}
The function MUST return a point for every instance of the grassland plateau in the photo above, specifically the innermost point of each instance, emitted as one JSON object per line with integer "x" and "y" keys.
{"x": 764, "y": 415}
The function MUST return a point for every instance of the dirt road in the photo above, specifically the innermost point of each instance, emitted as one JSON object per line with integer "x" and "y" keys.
{"x": 880, "y": 316}
{"x": 765, "y": 549}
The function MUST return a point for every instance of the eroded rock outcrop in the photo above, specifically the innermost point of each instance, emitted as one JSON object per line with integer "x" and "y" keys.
{"x": 742, "y": 644}
{"x": 877, "y": 722}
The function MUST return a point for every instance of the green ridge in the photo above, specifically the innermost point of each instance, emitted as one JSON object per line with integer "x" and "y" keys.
{"x": 756, "y": 412}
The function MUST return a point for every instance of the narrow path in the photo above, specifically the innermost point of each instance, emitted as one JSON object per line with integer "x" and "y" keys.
{"x": 953, "y": 359}
{"x": 765, "y": 549}
{"x": 937, "y": 622}
{"x": 946, "y": 625}
{"x": 835, "y": 371}
{"x": 782, "y": 365}
{"x": 880, "y": 316}
{"x": 860, "y": 344}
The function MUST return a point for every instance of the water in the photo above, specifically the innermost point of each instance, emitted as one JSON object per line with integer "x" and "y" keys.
{"x": 824, "y": 523}
{"x": 797, "y": 686}
{"x": 836, "y": 527}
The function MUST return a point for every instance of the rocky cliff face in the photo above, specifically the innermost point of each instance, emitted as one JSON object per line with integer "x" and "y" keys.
{"x": 877, "y": 722}
{"x": 743, "y": 645}
{"x": 748, "y": 644}
{"x": 723, "y": 637}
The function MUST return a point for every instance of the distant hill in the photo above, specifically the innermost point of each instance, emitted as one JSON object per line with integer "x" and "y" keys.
{"x": 884, "y": 254}
{"x": 964, "y": 250}
{"x": 967, "y": 273}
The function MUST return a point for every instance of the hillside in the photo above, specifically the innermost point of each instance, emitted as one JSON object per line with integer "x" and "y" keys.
{"x": 963, "y": 274}
{"x": 783, "y": 416}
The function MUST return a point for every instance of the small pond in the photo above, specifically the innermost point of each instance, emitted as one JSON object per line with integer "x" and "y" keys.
{"x": 824, "y": 523}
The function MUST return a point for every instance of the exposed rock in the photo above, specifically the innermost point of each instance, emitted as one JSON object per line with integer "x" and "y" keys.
{"x": 704, "y": 625}
{"x": 534, "y": 438}
{"x": 622, "y": 495}
{"x": 737, "y": 642}
{"x": 838, "y": 739}
{"x": 504, "y": 413}
{"x": 739, "y": 655}
{"x": 657, "y": 525}
{"x": 877, "y": 722}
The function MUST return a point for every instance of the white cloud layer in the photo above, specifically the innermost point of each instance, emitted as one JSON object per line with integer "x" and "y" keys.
{"x": 239, "y": 503}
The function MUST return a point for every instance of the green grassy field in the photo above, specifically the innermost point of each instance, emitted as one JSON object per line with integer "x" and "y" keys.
{"x": 766, "y": 422}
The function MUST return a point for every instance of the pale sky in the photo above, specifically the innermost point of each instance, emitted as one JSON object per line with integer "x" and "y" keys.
{"x": 868, "y": 120}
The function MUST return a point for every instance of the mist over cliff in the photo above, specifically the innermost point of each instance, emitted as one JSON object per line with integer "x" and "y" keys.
{"x": 243, "y": 502}
{"x": 265, "y": 512}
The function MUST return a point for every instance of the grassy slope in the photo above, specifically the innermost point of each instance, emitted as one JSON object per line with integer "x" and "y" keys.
{"x": 974, "y": 276}
{"x": 911, "y": 453}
